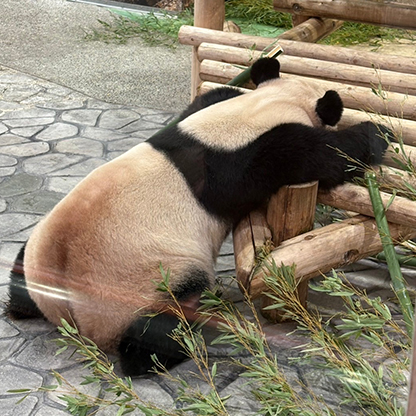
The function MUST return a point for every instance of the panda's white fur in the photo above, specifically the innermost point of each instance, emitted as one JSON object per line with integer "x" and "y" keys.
{"x": 234, "y": 123}
{"x": 171, "y": 201}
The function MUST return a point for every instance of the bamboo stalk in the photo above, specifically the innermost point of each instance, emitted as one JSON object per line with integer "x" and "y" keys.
{"x": 411, "y": 404}
{"x": 379, "y": 13}
{"x": 398, "y": 282}
{"x": 406, "y": 261}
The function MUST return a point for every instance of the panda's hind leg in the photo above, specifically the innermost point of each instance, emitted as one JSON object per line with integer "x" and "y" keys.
{"x": 20, "y": 305}
{"x": 151, "y": 335}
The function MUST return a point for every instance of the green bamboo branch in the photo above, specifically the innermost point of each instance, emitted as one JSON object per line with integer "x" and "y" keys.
{"x": 244, "y": 77}
{"x": 407, "y": 261}
{"x": 398, "y": 282}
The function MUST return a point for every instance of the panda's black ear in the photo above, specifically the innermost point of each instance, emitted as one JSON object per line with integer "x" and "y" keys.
{"x": 264, "y": 69}
{"x": 329, "y": 108}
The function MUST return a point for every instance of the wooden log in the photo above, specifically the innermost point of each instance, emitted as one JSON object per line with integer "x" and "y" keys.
{"x": 388, "y": 103}
{"x": 406, "y": 129}
{"x": 352, "y": 74}
{"x": 228, "y": 54}
{"x": 367, "y": 11}
{"x": 297, "y": 20}
{"x": 249, "y": 236}
{"x": 355, "y": 198}
{"x": 348, "y": 74}
{"x": 324, "y": 249}
{"x": 290, "y": 212}
{"x": 396, "y": 179}
{"x": 309, "y": 31}
{"x": 220, "y": 72}
{"x": 312, "y": 30}
{"x": 194, "y": 36}
{"x": 210, "y": 15}
{"x": 350, "y": 56}
{"x": 404, "y": 156}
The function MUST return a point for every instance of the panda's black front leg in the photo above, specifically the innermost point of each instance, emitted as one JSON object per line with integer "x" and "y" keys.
{"x": 242, "y": 180}
{"x": 298, "y": 154}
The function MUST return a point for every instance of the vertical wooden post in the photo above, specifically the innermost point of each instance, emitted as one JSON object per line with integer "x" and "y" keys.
{"x": 291, "y": 211}
{"x": 250, "y": 235}
{"x": 297, "y": 20}
{"x": 208, "y": 14}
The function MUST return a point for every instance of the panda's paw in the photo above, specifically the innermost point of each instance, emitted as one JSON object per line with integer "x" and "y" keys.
{"x": 146, "y": 337}
{"x": 385, "y": 133}
{"x": 370, "y": 142}
{"x": 379, "y": 138}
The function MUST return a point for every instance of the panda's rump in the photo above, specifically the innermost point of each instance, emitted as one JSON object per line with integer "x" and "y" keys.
{"x": 96, "y": 254}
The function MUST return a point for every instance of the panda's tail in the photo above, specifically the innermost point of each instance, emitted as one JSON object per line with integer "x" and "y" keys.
{"x": 148, "y": 336}
{"x": 20, "y": 305}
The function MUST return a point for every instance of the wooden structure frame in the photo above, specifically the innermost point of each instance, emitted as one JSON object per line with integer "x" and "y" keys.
{"x": 287, "y": 222}
{"x": 218, "y": 57}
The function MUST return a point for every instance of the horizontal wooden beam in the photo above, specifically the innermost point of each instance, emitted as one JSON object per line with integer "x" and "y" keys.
{"x": 360, "y": 98}
{"x": 312, "y": 30}
{"x": 350, "y": 56}
{"x": 355, "y": 198}
{"x": 406, "y": 129}
{"x": 189, "y": 35}
{"x": 343, "y": 73}
{"x": 393, "y": 14}
{"x": 320, "y": 251}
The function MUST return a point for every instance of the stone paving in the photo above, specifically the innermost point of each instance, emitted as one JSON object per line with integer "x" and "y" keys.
{"x": 50, "y": 138}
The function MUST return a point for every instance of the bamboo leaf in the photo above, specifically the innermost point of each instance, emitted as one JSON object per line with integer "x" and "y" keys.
{"x": 68, "y": 327}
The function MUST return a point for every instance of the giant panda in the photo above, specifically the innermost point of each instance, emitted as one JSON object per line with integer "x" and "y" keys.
{"x": 170, "y": 202}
